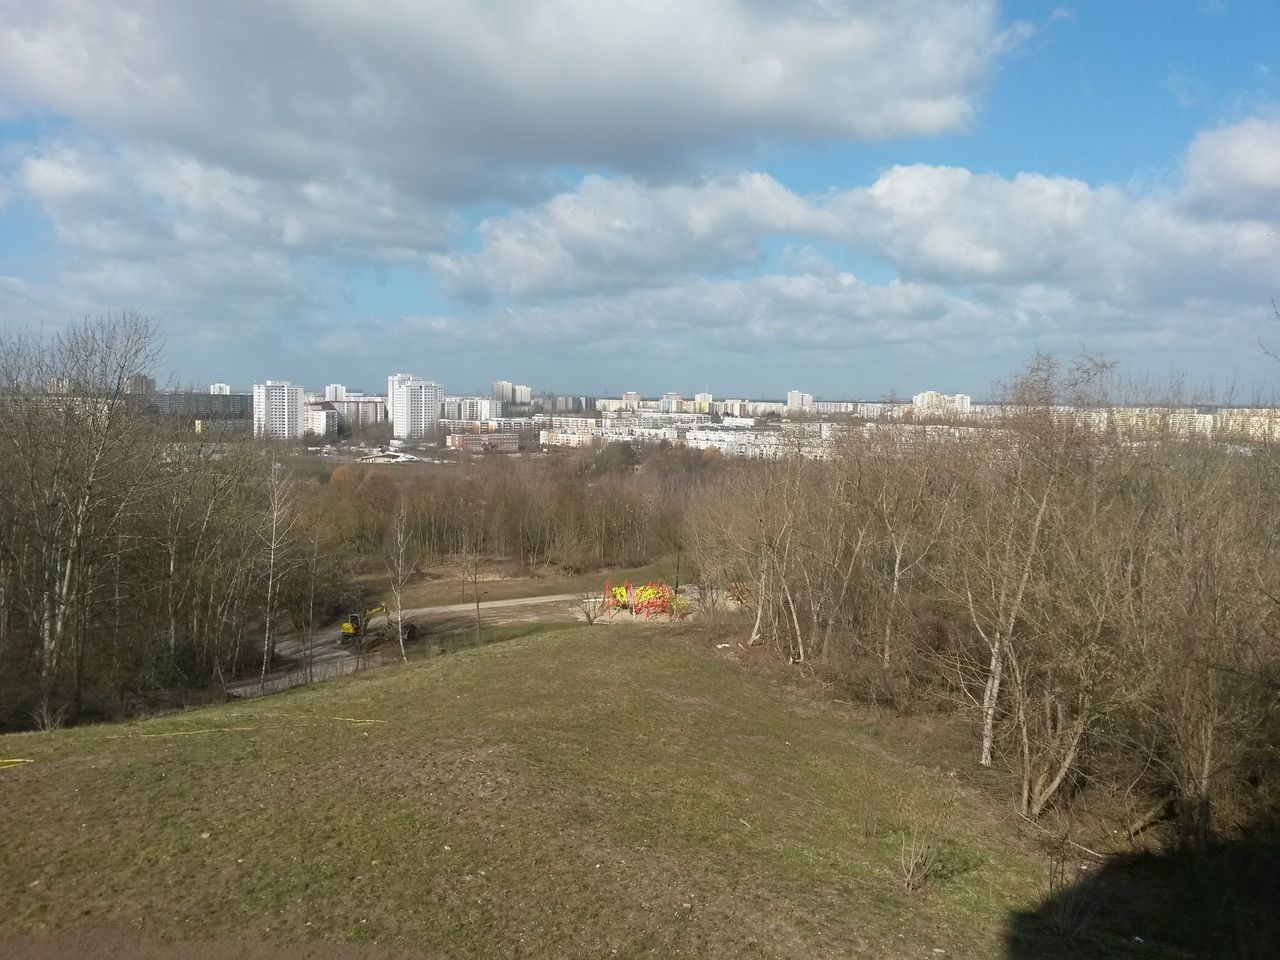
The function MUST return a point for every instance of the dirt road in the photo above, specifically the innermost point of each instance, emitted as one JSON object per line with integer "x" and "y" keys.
{"x": 490, "y": 605}
{"x": 327, "y": 657}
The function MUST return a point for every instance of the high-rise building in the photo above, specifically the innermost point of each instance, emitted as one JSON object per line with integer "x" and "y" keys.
{"x": 798, "y": 402}
{"x": 140, "y": 383}
{"x": 521, "y": 395}
{"x": 358, "y": 411}
{"x": 503, "y": 391}
{"x": 322, "y": 419}
{"x": 934, "y": 404}
{"x": 467, "y": 408}
{"x": 414, "y": 406}
{"x": 702, "y": 402}
{"x": 335, "y": 391}
{"x": 395, "y": 383}
{"x": 279, "y": 410}
{"x": 220, "y": 389}
{"x": 631, "y": 400}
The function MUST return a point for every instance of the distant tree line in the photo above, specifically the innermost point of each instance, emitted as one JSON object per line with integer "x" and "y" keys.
{"x": 600, "y": 508}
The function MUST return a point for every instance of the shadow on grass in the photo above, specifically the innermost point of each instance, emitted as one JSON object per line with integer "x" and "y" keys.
{"x": 1223, "y": 901}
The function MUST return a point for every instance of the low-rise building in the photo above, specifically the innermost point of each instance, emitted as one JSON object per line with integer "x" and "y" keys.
{"x": 222, "y": 426}
{"x": 568, "y": 438}
{"x": 484, "y": 442}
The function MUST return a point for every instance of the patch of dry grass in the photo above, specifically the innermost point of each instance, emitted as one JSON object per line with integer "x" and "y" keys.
{"x": 573, "y": 793}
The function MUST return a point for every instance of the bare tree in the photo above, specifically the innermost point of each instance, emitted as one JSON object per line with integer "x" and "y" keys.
{"x": 76, "y": 444}
{"x": 401, "y": 555}
{"x": 276, "y": 538}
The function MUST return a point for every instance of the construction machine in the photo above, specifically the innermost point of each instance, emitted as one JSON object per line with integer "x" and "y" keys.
{"x": 355, "y": 628}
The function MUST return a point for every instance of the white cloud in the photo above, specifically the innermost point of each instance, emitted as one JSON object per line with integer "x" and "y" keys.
{"x": 838, "y": 318}
{"x": 63, "y": 174}
{"x": 445, "y": 99}
{"x": 619, "y": 233}
{"x": 1236, "y": 169}
{"x": 1030, "y": 259}
{"x": 939, "y": 225}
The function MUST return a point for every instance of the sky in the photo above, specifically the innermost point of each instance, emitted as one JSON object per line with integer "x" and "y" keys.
{"x": 849, "y": 197}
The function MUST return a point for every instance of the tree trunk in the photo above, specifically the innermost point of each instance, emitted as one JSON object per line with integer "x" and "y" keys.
{"x": 990, "y": 695}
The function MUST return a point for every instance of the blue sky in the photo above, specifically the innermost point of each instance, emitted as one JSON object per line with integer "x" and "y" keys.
{"x": 842, "y": 196}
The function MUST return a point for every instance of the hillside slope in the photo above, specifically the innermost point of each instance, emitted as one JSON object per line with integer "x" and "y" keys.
{"x": 609, "y": 791}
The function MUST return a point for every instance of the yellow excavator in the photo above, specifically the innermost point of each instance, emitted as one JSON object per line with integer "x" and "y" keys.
{"x": 355, "y": 628}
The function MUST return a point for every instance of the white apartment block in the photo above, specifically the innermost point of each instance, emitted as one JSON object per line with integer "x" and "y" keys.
{"x": 220, "y": 389}
{"x": 631, "y": 400}
{"x": 833, "y": 407}
{"x": 702, "y": 402}
{"x": 394, "y": 383}
{"x": 799, "y": 402}
{"x": 335, "y": 391}
{"x": 279, "y": 410}
{"x": 494, "y": 425}
{"x": 322, "y": 420}
{"x": 521, "y": 394}
{"x": 567, "y": 438}
{"x": 360, "y": 411}
{"x": 503, "y": 391}
{"x": 414, "y": 406}
{"x": 1254, "y": 424}
{"x": 934, "y": 404}
{"x": 571, "y": 424}
{"x": 468, "y": 408}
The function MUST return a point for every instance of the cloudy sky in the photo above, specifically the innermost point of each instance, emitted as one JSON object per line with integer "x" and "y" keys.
{"x": 852, "y": 197}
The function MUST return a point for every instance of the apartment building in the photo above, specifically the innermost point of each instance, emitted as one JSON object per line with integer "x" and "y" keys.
{"x": 279, "y": 410}
{"x": 934, "y": 404}
{"x": 322, "y": 419}
{"x": 414, "y": 406}
{"x": 799, "y": 402}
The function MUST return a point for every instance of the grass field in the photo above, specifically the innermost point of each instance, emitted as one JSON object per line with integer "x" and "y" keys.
{"x": 590, "y": 792}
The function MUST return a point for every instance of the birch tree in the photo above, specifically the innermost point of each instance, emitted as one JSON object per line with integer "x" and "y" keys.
{"x": 277, "y": 525}
{"x": 74, "y": 442}
{"x": 401, "y": 556}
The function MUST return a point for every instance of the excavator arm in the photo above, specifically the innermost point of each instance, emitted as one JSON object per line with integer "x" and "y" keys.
{"x": 357, "y": 624}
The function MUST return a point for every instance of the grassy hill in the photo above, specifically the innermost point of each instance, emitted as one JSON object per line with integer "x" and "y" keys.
{"x": 609, "y": 791}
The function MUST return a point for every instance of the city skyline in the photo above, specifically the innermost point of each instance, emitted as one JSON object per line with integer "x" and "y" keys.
{"x": 736, "y": 197}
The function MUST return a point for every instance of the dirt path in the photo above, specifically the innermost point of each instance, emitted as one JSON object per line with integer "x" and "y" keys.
{"x": 330, "y": 658}
{"x": 490, "y": 604}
